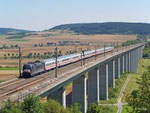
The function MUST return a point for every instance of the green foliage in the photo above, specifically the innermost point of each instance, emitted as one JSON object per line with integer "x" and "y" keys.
{"x": 75, "y": 108}
{"x": 18, "y": 36}
{"x": 130, "y": 42}
{"x": 106, "y": 28}
{"x": 94, "y": 108}
{"x": 20, "y": 40}
{"x": 11, "y": 107}
{"x": 12, "y": 31}
{"x": 1, "y": 81}
{"x": 146, "y": 53}
{"x": 32, "y": 104}
{"x": 140, "y": 100}
{"x": 148, "y": 68}
{"x": 114, "y": 92}
{"x": 9, "y": 68}
{"x": 53, "y": 106}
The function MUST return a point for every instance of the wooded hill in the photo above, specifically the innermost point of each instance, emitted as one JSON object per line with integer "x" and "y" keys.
{"x": 106, "y": 28}
{"x": 4, "y": 31}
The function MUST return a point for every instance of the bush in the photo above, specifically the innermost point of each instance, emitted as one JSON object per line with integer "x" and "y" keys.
{"x": 32, "y": 104}
{"x": 94, "y": 108}
{"x": 11, "y": 107}
{"x": 53, "y": 106}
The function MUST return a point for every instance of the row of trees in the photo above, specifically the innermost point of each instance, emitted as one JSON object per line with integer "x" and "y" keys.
{"x": 60, "y": 43}
{"x": 32, "y": 104}
{"x": 38, "y": 55}
{"x": 4, "y": 46}
{"x": 130, "y": 42}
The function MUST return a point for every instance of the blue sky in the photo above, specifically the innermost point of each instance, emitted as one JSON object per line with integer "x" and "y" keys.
{"x": 44, "y": 14}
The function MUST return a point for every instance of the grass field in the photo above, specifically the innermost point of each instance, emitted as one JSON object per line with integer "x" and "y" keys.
{"x": 4, "y": 36}
{"x": 9, "y": 68}
{"x": 21, "y": 40}
{"x": 110, "y": 109}
{"x": 1, "y": 81}
{"x": 116, "y": 90}
{"x": 132, "y": 85}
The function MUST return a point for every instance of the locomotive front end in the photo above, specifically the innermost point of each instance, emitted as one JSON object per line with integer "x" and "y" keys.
{"x": 27, "y": 73}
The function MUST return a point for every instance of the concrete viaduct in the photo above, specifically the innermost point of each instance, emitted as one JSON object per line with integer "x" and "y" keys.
{"x": 101, "y": 75}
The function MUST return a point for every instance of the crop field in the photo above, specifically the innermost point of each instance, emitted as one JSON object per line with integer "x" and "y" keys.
{"x": 27, "y": 46}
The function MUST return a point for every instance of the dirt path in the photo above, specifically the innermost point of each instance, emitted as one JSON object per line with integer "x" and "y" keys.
{"x": 120, "y": 104}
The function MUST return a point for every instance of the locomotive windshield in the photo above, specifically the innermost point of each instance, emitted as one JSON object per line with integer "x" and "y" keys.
{"x": 26, "y": 67}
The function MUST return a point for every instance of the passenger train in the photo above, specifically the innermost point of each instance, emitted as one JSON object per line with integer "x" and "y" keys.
{"x": 37, "y": 67}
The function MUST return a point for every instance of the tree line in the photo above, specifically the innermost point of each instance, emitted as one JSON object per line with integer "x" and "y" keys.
{"x": 32, "y": 104}
{"x": 38, "y": 55}
{"x": 106, "y": 28}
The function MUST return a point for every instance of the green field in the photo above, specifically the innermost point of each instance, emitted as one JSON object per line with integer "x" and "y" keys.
{"x": 116, "y": 91}
{"x": 21, "y": 40}
{"x": 1, "y": 81}
{"x": 132, "y": 85}
{"x": 9, "y": 68}
{"x": 4, "y": 36}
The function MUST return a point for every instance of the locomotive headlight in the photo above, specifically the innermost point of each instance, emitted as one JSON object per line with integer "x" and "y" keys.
{"x": 27, "y": 70}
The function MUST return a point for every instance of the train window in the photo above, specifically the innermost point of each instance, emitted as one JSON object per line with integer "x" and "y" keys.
{"x": 48, "y": 64}
{"x": 26, "y": 67}
{"x": 75, "y": 57}
{"x": 65, "y": 59}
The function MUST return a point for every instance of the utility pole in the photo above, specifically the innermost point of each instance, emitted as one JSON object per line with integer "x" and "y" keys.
{"x": 95, "y": 52}
{"x": 117, "y": 47}
{"x": 56, "y": 56}
{"x": 104, "y": 49}
{"x": 20, "y": 62}
{"x": 81, "y": 56}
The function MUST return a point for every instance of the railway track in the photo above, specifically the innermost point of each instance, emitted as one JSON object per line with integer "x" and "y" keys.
{"x": 14, "y": 86}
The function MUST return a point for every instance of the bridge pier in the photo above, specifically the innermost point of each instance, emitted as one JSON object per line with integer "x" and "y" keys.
{"x": 121, "y": 64}
{"x": 111, "y": 73}
{"x": 59, "y": 95}
{"x": 132, "y": 63}
{"x": 134, "y": 60}
{"x": 117, "y": 68}
{"x": 129, "y": 62}
{"x": 93, "y": 86}
{"x": 125, "y": 63}
{"x": 79, "y": 92}
{"x": 103, "y": 82}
